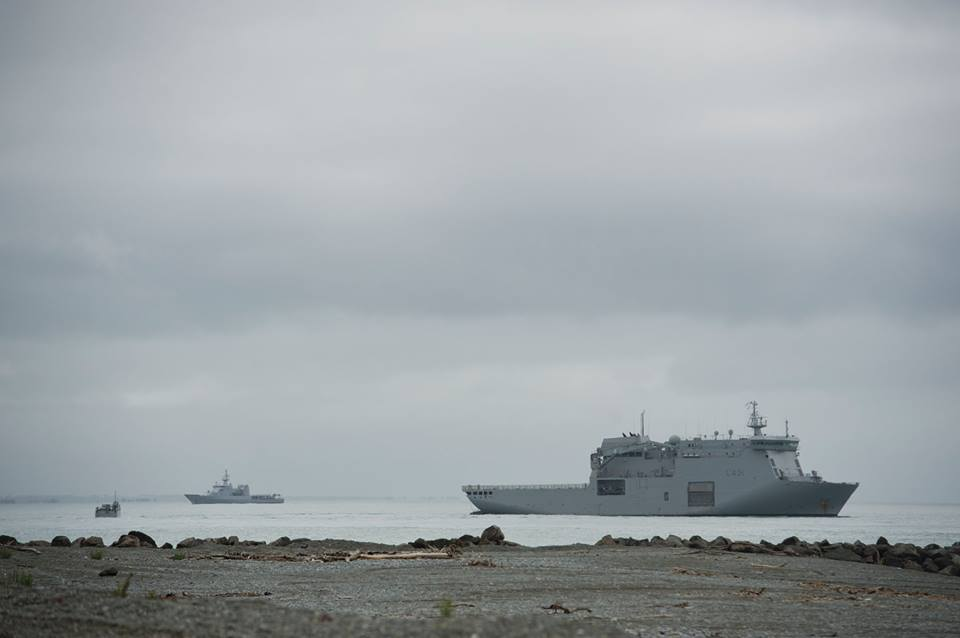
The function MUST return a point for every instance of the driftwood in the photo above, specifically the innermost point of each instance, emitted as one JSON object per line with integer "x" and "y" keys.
{"x": 557, "y": 608}
{"x": 327, "y": 558}
{"x": 403, "y": 555}
{"x": 29, "y": 550}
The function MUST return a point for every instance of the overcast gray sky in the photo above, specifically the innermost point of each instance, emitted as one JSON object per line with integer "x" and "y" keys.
{"x": 388, "y": 248}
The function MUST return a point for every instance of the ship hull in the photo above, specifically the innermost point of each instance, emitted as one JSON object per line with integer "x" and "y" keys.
{"x": 668, "y": 498}
{"x": 205, "y": 499}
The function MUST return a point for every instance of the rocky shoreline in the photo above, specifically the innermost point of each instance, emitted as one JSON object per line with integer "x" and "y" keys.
{"x": 931, "y": 558}
{"x": 480, "y": 585}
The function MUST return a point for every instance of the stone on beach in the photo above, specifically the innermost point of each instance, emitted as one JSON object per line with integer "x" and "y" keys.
{"x": 145, "y": 539}
{"x": 492, "y": 534}
{"x": 60, "y": 541}
{"x": 126, "y": 541}
{"x": 91, "y": 541}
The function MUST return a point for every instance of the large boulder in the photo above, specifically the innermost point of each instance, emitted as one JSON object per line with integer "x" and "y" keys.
{"x": 673, "y": 541}
{"x": 905, "y": 551}
{"x": 492, "y": 534}
{"x": 189, "y": 542}
{"x": 145, "y": 540}
{"x": 930, "y": 566}
{"x": 839, "y": 552}
{"x": 695, "y": 542}
{"x": 8, "y": 540}
{"x": 60, "y": 541}
{"x": 283, "y": 541}
{"x": 127, "y": 541}
{"x": 720, "y": 542}
{"x": 92, "y": 541}
{"x": 748, "y": 548}
{"x": 607, "y": 540}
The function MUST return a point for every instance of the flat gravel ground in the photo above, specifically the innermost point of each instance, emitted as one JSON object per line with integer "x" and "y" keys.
{"x": 486, "y": 591}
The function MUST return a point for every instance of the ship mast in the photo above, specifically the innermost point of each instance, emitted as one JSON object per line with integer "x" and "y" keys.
{"x": 756, "y": 422}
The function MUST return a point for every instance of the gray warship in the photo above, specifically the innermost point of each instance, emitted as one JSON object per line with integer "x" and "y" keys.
{"x": 224, "y": 492}
{"x": 632, "y": 475}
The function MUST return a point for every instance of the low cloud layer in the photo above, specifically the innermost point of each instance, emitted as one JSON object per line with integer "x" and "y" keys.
{"x": 464, "y": 243}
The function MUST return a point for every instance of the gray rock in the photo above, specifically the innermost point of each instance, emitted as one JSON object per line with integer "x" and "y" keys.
{"x": 189, "y": 542}
{"x": 127, "y": 541}
{"x": 91, "y": 541}
{"x": 166, "y": 546}
{"x": 930, "y": 566}
{"x": 283, "y": 541}
{"x": 607, "y": 540}
{"x": 38, "y": 543}
{"x": 842, "y": 553}
{"x": 109, "y": 571}
{"x": 145, "y": 540}
{"x": 8, "y": 540}
{"x": 748, "y": 548}
{"x": 696, "y": 542}
{"x": 905, "y": 551}
{"x": 233, "y": 540}
{"x": 910, "y": 564}
{"x": 492, "y": 534}
{"x": 792, "y": 540}
{"x": 720, "y": 541}
{"x": 673, "y": 541}
{"x": 60, "y": 541}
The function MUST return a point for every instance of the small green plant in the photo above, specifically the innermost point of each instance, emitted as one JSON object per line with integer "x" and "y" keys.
{"x": 121, "y": 590}
{"x": 179, "y": 556}
{"x": 22, "y": 578}
{"x": 446, "y": 608}
{"x": 96, "y": 554}
{"x": 151, "y": 595}
{"x": 5, "y": 552}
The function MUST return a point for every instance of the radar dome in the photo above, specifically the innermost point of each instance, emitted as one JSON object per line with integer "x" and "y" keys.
{"x": 674, "y": 439}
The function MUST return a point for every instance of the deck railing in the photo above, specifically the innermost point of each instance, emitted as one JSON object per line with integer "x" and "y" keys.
{"x": 554, "y": 486}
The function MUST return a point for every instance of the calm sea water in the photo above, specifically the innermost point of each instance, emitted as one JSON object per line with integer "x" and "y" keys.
{"x": 403, "y": 520}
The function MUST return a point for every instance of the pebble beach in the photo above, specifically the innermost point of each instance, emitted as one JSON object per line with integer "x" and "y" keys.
{"x": 475, "y": 586}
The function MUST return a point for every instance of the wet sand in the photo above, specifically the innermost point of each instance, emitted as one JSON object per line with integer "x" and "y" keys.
{"x": 490, "y": 590}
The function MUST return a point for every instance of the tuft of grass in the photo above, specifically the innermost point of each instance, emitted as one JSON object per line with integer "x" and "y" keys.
{"x": 5, "y": 552}
{"x": 179, "y": 556}
{"x": 446, "y": 608}
{"x": 121, "y": 590}
{"x": 22, "y": 578}
{"x": 151, "y": 595}
{"x": 96, "y": 554}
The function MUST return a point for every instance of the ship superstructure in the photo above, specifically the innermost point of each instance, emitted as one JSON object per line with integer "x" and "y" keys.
{"x": 223, "y": 491}
{"x": 108, "y": 510}
{"x": 757, "y": 475}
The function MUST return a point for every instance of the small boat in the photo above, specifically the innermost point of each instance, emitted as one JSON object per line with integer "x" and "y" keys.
{"x": 108, "y": 510}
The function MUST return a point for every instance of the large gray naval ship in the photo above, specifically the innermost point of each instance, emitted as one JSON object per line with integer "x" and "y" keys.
{"x": 224, "y": 492}
{"x": 632, "y": 475}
